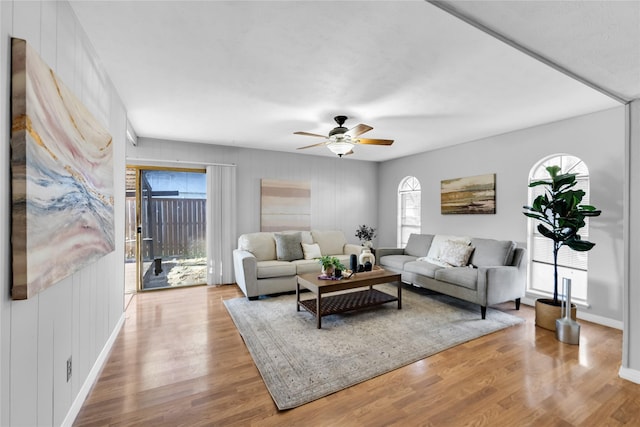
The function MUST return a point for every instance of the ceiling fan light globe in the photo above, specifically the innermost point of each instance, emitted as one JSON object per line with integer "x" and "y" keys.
{"x": 340, "y": 148}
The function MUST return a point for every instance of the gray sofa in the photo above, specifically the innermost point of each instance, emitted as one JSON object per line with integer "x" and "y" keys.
{"x": 481, "y": 271}
{"x": 267, "y": 263}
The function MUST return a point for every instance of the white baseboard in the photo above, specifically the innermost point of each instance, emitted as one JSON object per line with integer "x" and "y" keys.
{"x": 629, "y": 374}
{"x": 600, "y": 320}
{"x": 74, "y": 410}
{"x": 604, "y": 321}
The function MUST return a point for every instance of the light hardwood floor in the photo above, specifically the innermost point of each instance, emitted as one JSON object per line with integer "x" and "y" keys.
{"x": 179, "y": 360}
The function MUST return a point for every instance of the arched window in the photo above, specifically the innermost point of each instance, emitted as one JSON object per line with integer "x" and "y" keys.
{"x": 571, "y": 264}
{"x": 408, "y": 209}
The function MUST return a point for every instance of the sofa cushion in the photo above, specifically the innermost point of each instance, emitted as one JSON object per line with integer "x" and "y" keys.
{"x": 455, "y": 254}
{"x": 331, "y": 242}
{"x": 395, "y": 261}
{"x": 418, "y": 244}
{"x": 423, "y": 268}
{"x": 306, "y": 237}
{"x": 262, "y": 245}
{"x": 490, "y": 252}
{"x": 288, "y": 246}
{"x": 466, "y": 277}
{"x": 307, "y": 266}
{"x": 268, "y": 269}
{"x": 311, "y": 251}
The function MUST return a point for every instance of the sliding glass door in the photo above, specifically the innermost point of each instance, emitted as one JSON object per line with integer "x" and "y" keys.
{"x": 170, "y": 206}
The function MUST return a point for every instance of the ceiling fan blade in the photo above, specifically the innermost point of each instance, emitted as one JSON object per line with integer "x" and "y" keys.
{"x": 309, "y": 134}
{"x": 350, "y": 152}
{"x": 358, "y": 130}
{"x": 312, "y": 145}
{"x": 375, "y": 141}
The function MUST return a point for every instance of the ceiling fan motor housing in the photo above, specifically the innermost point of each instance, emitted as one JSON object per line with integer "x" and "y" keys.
{"x": 338, "y": 131}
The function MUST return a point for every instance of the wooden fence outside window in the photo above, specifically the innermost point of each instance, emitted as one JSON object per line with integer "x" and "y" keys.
{"x": 171, "y": 228}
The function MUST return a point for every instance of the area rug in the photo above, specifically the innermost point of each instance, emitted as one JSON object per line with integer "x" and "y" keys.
{"x": 300, "y": 363}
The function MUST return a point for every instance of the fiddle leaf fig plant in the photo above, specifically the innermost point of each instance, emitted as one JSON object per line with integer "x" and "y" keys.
{"x": 561, "y": 215}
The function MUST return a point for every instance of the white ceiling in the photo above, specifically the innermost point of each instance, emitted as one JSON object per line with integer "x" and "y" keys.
{"x": 249, "y": 74}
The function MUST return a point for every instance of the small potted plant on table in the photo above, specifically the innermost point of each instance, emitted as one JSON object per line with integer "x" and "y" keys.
{"x": 330, "y": 265}
{"x": 561, "y": 216}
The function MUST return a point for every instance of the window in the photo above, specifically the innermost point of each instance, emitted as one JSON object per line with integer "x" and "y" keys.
{"x": 571, "y": 264}
{"x": 408, "y": 209}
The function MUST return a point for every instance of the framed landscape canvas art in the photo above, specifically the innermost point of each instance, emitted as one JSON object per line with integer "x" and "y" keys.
{"x": 469, "y": 195}
{"x": 285, "y": 205}
{"x": 61, "y": 178}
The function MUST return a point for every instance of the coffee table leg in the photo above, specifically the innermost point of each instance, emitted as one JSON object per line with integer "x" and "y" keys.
{"x": 399, "y": 295}
{"x": 297, "y": 296}
{"x": 318, "y": 314}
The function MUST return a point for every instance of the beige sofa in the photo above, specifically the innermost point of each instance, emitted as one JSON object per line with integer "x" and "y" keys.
{"x": 481, "y": 271}
{"x": 267, "y": 263}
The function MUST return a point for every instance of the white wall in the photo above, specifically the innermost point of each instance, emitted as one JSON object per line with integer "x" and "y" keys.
{"x": 598, "y": 139}
{"x": 78, "y": 315}
{"x": 343, "y": 191}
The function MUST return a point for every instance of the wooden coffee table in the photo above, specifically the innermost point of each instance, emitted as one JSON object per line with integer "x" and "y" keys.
{"x": 323, "y": 305}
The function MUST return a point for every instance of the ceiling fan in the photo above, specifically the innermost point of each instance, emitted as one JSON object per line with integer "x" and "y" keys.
{"x": 341, "y": 140}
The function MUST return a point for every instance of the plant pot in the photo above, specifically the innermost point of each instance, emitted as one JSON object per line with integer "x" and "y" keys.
{"x": 328, "y": 270}
{"x": 547, "y": 313}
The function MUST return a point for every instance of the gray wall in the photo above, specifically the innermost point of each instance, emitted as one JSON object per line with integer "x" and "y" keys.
{"x": 77, "y": 316}
{"x": 343, "y": 191}
{"x": 598, "y": 139}
{"x": 630, "y": 368}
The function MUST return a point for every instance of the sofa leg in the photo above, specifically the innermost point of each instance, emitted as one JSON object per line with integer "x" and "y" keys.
{"x": 483, "y": 311}
{"x": 253, "y": 298}
{"x": 517, "y": 303}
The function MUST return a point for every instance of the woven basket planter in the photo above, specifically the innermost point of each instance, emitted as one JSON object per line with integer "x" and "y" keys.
{"x": 547, "y": 313}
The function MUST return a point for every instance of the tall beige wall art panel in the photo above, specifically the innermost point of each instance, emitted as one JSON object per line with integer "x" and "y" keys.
{"x": 285, "y": 205}
{"x": 62, "y": 178}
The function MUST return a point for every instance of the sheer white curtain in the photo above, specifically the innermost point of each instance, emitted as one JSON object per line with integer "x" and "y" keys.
{"x": 221, "y": 223}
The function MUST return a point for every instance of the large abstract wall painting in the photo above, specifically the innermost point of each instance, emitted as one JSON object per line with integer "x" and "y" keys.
{"x": 62, "y": 178}
{"x": 469, "y": 195}
{"x": 285, "y": 205}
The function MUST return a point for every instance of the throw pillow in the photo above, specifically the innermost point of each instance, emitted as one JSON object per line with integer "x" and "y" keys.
{"x": 311, "y": 251}
{"x": 455, "y": 254}
{"x": 288, "y": 246}
{"x": 434, "y": 254}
